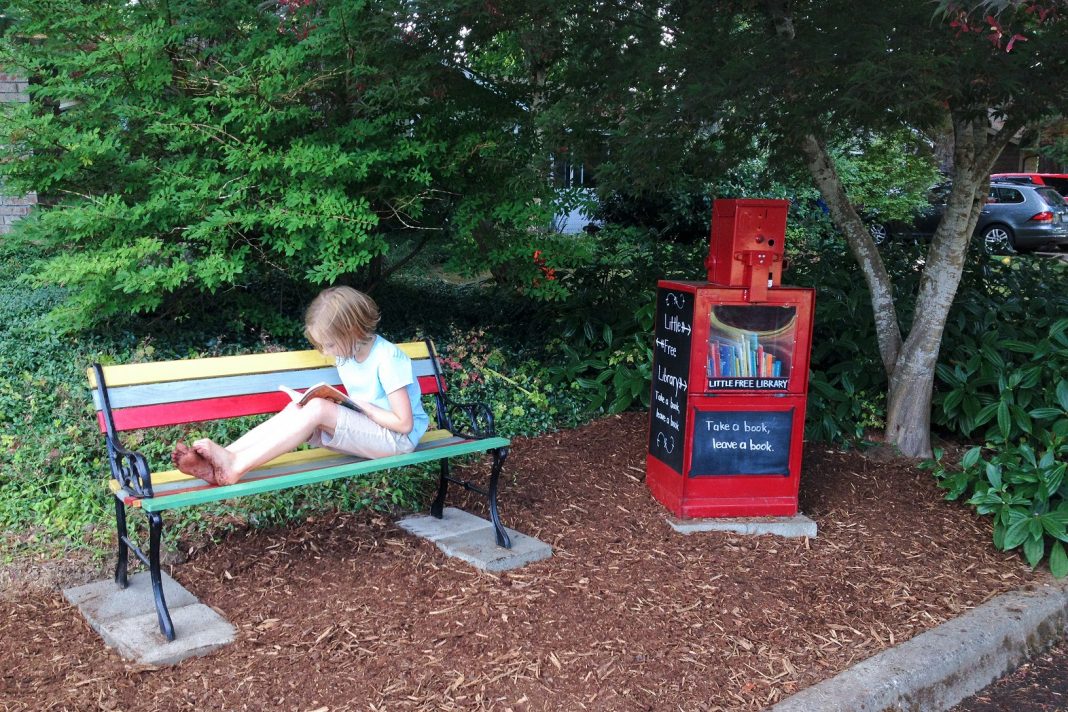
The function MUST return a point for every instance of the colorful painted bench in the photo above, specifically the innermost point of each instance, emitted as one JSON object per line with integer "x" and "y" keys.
{"x": 149, "y": 395}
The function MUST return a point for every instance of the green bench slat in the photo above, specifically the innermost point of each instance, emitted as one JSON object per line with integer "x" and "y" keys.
{"x": 242, "y": 489}
{"x": 293, "y": 468}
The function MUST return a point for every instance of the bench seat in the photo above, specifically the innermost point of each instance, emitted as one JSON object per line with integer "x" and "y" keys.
{"x": 172, "y": 489}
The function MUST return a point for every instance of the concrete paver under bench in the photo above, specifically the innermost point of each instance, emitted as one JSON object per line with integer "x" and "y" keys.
{"x": 471, "y": 539}
{"x": 126, "y": 620}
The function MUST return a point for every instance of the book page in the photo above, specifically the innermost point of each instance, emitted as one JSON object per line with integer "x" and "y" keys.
{"x": 320, "y": 390}
{"x": 293, "y": 395}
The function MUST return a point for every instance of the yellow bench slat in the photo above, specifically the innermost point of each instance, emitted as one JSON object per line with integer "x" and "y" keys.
{"x": 183, "y": 370}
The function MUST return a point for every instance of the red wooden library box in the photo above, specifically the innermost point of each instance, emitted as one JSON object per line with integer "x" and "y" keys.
{"x": 730, "y": 381}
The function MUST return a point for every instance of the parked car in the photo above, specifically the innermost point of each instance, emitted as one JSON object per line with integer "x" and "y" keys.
{"x": 1057, "y": 181}
{"x": 1016, "y": 217}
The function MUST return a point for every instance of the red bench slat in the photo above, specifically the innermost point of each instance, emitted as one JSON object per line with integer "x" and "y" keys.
{"x": 195, "y": 411}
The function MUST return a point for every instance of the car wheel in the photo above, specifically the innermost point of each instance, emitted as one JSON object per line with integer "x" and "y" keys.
{"x": 998, "y": 240}
{"x": 879, "y": 233}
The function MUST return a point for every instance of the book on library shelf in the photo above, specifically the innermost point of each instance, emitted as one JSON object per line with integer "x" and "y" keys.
{"x": 320, "y": 390}
{"x": 745, "y": 357}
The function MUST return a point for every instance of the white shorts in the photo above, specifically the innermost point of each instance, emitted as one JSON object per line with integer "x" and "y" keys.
{"x": 356, "y": 434}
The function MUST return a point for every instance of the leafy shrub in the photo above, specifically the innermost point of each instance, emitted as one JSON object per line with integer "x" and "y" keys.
{"x": 525, "y": 401}
{"x": 847, "y": 383}
{"x": 208, "y": 146}
{"x": 611, "y": 370}
{"x": 1002, "y": 379}
{"x": 603, "y": 330}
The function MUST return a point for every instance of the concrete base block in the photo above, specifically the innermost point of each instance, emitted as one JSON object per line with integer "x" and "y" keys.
{"x": 126, "y": 620}
{"x": 452, "y": 523}
{"x": 105, "y": 601}
{"x": 796, "y": 527}
{"x": 472, "y": 539}
{"x": 198, "y": 630}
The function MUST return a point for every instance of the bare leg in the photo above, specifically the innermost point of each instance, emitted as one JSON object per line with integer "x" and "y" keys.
{"x": 264, "y": 430}
{"x": 288, "y": 429}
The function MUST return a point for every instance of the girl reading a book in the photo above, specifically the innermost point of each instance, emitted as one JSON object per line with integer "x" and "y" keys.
{"x": 340, "y": 322}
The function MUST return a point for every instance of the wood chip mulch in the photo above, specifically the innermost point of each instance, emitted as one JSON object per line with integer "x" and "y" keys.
{"x": 348, "y": 612}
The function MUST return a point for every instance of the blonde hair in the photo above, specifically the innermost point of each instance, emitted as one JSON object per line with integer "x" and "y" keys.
{"x": 343, "y": 316}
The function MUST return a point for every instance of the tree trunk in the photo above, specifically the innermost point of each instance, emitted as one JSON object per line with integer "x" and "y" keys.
{"x": 887, "y": 330}
{"x": 908, "y": 414}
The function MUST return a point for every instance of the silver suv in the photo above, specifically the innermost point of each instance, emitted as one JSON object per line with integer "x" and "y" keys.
{"x": 1019, "y": 217}
{"x": 1016, "y": 217}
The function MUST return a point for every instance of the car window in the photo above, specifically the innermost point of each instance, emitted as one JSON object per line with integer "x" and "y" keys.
{"x": 1008, "y": 195}
{"x": 1051, "y": 196}
{"x": 1058, "y": 184}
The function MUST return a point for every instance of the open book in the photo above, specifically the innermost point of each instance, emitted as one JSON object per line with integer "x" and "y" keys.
{"x": 320, "y": 390}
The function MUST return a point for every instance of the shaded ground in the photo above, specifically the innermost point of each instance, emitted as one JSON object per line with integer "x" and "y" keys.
{"x": 1040, "y": 685}
{"x": 347, "y": 612}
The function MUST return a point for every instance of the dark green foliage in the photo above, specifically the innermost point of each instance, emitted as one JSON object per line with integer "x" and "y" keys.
{"x": 52, "y": 468}
{"x": 847, "y": 384}
{"x": 197, "y": 148}
{"x": 604, "y": 329}
{"x": 671, "y": 216}
{"x": 1003, "y": 381}
{"x": 524, "y": 399}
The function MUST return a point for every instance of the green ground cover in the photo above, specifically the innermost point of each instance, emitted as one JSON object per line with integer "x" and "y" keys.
{"x": 53, "y": 470}
{"x": 546, "y": 366}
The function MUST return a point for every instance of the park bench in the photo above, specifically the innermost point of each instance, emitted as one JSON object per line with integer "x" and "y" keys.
{"x": 150, "y": 395}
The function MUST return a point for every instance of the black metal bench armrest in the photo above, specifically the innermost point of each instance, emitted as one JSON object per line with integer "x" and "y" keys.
{"x": 478, "y": 417}
{"x": 129, "y": 468}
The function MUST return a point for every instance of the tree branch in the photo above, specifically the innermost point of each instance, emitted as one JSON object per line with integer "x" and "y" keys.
{"x": 407, "y": 258}
{"x": 887, "y": 329}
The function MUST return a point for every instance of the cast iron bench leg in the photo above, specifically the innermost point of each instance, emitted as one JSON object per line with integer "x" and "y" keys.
{"x": 121, "y": 566}
{"x": 155, "y": 522}
{"x": 499, "y": 456}
{"x": 437, "y": 508}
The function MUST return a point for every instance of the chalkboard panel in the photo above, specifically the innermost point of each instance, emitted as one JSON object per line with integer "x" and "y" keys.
{"x": 671, "y": 371}
{"x": 741, "y": 442}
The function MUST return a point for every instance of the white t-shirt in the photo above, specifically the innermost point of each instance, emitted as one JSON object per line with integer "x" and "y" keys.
{"x": 385, "y": 369}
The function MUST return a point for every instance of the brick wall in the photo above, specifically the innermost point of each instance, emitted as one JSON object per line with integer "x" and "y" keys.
{"x": 13, "y": 88}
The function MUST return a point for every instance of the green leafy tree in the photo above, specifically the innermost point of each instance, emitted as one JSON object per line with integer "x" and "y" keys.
{"x": 198, "y": 146}
{"x": 513, "y": 48}
{"x": 984, "y": 96}
{"x": 684, "y": 87}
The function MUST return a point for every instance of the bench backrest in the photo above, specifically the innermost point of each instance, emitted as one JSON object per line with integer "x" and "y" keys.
{"x": 146, "y": 395}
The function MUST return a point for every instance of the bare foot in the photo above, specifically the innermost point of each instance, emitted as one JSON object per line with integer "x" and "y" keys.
{"x": 221, "y": 459}
{"x": 189, "y": 461}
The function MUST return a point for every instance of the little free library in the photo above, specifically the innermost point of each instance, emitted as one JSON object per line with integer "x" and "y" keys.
{"x": 730, "y": 374}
